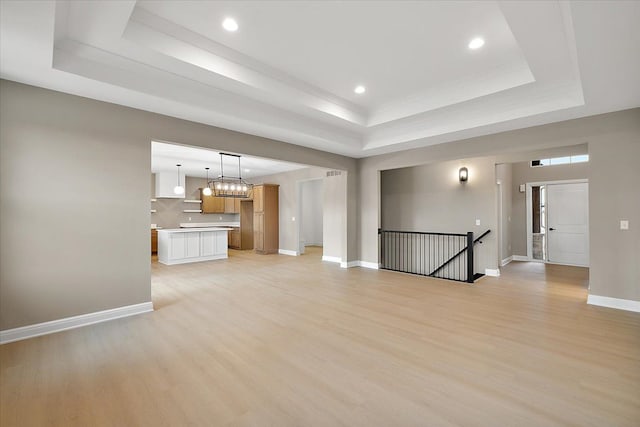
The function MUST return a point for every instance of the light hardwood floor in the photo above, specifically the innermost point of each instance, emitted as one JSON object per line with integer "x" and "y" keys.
{"x": 283, "y": 341}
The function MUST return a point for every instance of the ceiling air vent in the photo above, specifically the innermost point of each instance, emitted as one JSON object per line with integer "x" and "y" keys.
{"x": 334, "y": 173}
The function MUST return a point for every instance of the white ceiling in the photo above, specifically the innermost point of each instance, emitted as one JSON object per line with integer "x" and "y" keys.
{"x": 288, "y": 73}
{"x": 335, "y": 47}
{"x": 165, "y": 157}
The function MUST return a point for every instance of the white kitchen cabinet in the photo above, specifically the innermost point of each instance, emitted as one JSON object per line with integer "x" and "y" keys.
{"x": 180, "y": 246}
{"x": 208, "y": 243}
{"x": 176, "y": 245}
{"x": 192, "y": 245}
{"x": 166, "y": 182}
{"x": 212, "y": 242}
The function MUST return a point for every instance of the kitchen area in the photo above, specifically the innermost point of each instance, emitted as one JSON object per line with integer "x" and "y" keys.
{"x": 202, "y": 217}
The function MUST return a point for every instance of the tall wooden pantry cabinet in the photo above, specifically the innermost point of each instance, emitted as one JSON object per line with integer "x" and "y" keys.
{"x": 266, "y": 219}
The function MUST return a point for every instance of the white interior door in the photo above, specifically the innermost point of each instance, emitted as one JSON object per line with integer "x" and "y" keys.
{"x": 568, "y": 223}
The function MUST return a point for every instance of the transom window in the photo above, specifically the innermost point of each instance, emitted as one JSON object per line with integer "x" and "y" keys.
{"x": 567, "y": 160}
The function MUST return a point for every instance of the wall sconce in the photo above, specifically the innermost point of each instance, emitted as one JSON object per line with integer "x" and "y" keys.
{"x": 463, "y": 174}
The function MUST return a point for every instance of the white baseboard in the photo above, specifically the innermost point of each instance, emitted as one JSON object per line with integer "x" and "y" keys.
{"x": 506, "y": 261}
{"x": 190, "y": 260}
{"x": 492, "y": 272}
{"x": 331, "y": 258}
{"x": 59, "y": 325}
{"x": 367, "y": 264}
{"x": 350, "y": 264}
{"x": 288, "y": 252}
{"x": 620, "y": 304}
{"x": 519, "y": 258}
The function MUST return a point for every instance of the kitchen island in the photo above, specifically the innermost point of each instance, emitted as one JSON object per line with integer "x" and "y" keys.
{"x": 183, "y": 245}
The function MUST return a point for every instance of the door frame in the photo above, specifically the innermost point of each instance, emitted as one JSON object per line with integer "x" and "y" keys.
{"x": 299, "y": 184}
{"x": 529, "y": 205}
{"x": 500, "y": 201}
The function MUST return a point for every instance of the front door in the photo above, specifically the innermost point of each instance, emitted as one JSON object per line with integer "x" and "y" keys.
{"x": 568, "y": 223}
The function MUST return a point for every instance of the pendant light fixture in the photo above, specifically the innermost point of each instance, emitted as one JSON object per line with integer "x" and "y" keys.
{"x": 231, "y": 186}
{"x": 178, "y": 189}
{"x": 207, "y": 190}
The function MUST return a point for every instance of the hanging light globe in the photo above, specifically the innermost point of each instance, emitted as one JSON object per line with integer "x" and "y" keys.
{"x": 178, "y": 189}
{"x": 207, "y": 190}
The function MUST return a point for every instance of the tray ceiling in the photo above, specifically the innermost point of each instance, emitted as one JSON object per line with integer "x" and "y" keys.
{"x": 290, "y": 70}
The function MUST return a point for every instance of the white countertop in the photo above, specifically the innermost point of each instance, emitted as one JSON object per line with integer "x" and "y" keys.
{"x": 208, "y": 224}
{"x": 193, "y": 229}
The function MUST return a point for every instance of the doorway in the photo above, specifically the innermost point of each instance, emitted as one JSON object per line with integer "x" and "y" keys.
{"x": 310, "y": 214}
{"x": 558, "y": 222}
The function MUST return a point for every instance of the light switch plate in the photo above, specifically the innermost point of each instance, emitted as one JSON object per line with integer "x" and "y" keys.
{"x": 477, "y": 222}
{"x": 624, "y": 224}
{"x": 522, "y": 188}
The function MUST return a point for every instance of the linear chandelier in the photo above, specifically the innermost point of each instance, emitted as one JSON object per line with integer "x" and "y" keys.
{"x": 230, "y": 186}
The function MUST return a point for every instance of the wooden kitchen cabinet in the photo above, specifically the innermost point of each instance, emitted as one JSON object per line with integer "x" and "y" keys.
{"x": 234, "y": 239}
{"x": 232, "y": 205}
{"x": 212, "y": 204}
{"x": 266, "y": 218}
{"x": 154, "y": 241}
{"x": 246, "y": 224}
{"x": 258, "y": 232}
{"x": 242, "y": 237}
{"x": 258, "y": 191}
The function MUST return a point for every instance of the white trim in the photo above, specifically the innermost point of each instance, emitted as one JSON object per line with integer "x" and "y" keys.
{"x": 195, "y": 259}
{"x": 372, "y": 265}
{"x": 24, "y": 332}
{"x": 528, "y": 194}
{"x": 520, "y": 258}
{"x": 506, "y": 261}
{"x": 350, "y": 264}
{"x": 287, "y": 252}
{"x": 331, "y": 258}
{"x": 493, "y": 272}
{"x": 620, "y": 304}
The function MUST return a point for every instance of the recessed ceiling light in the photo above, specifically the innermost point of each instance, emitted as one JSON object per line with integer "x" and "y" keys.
{"x": 360, "y": 89}
{"x": 230, "y": 24}
{"x": 247, "y": 170}
{"x": 476, "y": 43}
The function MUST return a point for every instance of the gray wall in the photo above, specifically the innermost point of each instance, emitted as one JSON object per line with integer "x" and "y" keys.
{"x": 504, "y": 176}
{"x": 78, "y": 241}
{"x": 614, "y": 194}
{"x": 170, "y": 212}
{"x": 74, "y": 209}
{"x": 609, "y": 136}
{"x": 524, "y": 173}
{"x": 72, "y": 251}
{"x": 431, "y": 198}
{"x": 334, "y": 206}
{"x": 312, "y": 194}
